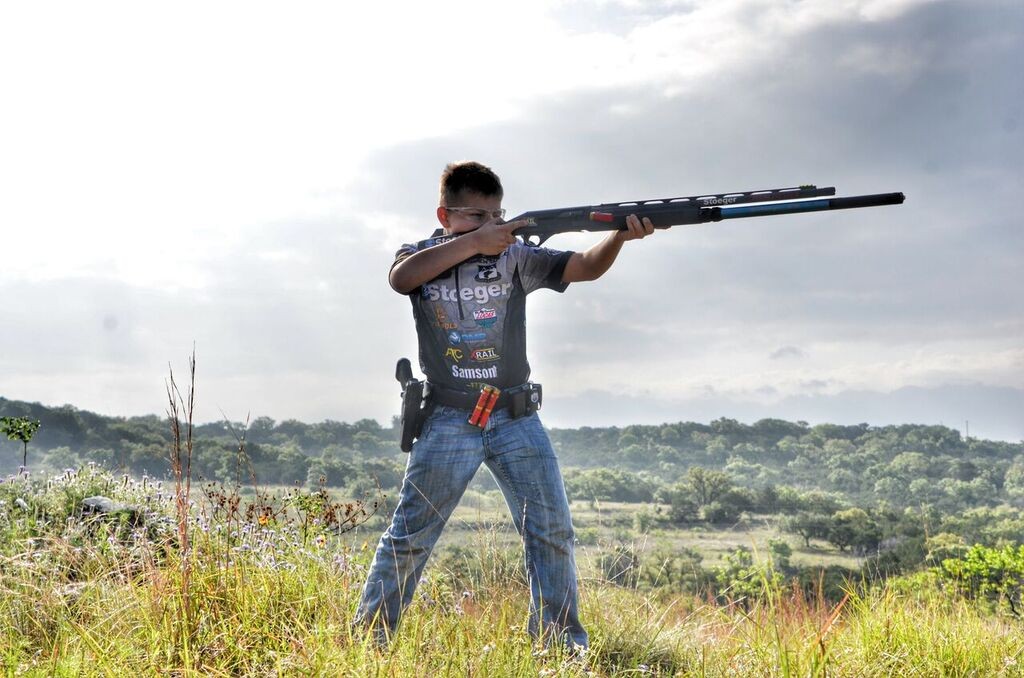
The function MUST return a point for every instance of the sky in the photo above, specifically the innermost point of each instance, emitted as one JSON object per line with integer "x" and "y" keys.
{"x": 236, "y": 178}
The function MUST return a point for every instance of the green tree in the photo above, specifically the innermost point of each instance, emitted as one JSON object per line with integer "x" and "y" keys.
{"x": 682, "y": 507}
{"x": 707, "y": 485}
{"x": 909, "y": 465}
{"x": 1014, "y": 482}
{"x": 670, "y": 435}
{"x": 854, "y": 527}
{"x": 21, "y": 429}
{"x": 808, "y": 525}
{"x": 728, "y": 506}
{"x": 741, "y": 578}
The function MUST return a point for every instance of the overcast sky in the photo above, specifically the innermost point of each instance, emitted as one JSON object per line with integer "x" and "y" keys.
{"x": 238, "y": 176}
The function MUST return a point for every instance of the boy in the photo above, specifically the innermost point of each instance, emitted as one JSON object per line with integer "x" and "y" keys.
{"x": 468, "y": 296}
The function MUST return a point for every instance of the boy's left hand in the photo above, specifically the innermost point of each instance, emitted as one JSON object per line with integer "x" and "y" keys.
{"x": 636, "y": 229}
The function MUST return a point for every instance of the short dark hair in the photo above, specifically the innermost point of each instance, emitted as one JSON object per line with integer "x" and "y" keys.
{"x": 468, "y": 176}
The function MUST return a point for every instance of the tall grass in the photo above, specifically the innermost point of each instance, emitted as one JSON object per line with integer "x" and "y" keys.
{"x": 103, "y": 595}
{"x": 159, "y": 585}
{"x": 180, "y": 454}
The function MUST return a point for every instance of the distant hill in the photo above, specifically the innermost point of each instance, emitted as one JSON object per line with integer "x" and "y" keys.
{"x": 994, "y": 412}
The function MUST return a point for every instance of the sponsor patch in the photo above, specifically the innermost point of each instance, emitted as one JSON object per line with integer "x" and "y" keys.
{"x": 483, "y": 355}
{"x": 441, "y": 319}
{"x": 475, "y": 372}
{"x": 485, "y": 317}
{"x": 481, "y": 293}
{"x": 487, "y": 272}
{"x": 455, "y": 353}
{"x": 459, "y": 337}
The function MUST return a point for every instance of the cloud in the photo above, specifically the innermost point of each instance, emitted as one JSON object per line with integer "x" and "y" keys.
{"x": 880, "y": 273}
{"x": 785, "y": 352}
{"x": 267, "y": 235}
{"x": 901, "y": 96}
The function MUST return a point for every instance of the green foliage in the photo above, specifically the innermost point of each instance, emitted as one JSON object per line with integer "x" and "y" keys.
{"x": 608, "y": 485}
{"x": 989, "y": 574}
{"x": 87, "y": 595}
{"x": 482, "y": 566}
{"x": 808, "y": 525}
{"x": 781, "y": 552}
{"x": 621, "y": 566}
{"x": 53, "y": 511}
{"x": 744, "y": 579}
{"x": 644, "y": 520}
{"x": 854, "y": 528}
{"x": 21, "y": 429}
{"x": 909, "y": 481}
{"x": 676, "y": 569}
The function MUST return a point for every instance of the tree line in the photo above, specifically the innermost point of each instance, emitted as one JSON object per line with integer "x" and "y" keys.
{"x": 881, "y": 491}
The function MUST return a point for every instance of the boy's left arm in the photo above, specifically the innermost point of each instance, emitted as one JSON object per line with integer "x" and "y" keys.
{"x": 593, "y": 263}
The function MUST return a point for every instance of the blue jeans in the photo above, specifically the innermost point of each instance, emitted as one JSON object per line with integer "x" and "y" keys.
{"x": 442, "y": 462}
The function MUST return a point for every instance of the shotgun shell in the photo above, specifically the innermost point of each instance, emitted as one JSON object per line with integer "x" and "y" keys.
{"x": 478, "y": 410}
{"x": 491, "y": 402}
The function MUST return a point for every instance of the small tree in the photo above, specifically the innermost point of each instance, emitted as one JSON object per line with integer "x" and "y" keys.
{"x": 19, "y": 428}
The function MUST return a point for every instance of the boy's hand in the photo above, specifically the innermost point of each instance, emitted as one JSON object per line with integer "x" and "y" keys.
{"x": 635, "y": 229}
{"x": 494, "y": 237}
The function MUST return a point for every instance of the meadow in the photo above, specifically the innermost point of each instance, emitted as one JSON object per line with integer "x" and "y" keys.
{"x": 171, "y": 580}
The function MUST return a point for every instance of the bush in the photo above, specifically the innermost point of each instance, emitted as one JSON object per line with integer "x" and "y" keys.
{"x": 992, "y": 575}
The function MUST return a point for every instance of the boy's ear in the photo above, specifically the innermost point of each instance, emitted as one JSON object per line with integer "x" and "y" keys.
{"x": 442, "y": 216}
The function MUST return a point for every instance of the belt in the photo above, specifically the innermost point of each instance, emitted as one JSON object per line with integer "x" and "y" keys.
{"x": 440, "y": 395}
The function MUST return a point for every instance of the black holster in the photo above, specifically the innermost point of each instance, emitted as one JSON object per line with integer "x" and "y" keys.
{"x": 416, "y": 407}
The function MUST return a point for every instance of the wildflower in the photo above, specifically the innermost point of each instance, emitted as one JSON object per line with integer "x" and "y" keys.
{"x": 487, "y": 648}
{"x": 321, "y": 540}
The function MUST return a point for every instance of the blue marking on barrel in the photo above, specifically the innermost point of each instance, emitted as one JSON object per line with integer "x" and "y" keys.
{"x": 778, "y": 208}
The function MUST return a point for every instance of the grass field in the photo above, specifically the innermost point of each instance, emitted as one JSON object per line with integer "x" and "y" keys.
{"x": 602, "y": 526}
{"x": 265, "y": 597}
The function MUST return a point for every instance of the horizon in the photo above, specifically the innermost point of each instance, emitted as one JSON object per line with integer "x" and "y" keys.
{"x": 634, "y": 416}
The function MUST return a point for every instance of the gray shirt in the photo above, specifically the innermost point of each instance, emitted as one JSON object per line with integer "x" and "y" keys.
{"x": 471, "y": 319}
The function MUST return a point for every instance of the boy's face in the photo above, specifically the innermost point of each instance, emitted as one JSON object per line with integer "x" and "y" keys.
{"x": 468, "y": 212}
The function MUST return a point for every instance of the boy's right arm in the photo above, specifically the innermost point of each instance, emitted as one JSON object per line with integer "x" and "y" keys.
{"x": 492, "y": 238}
